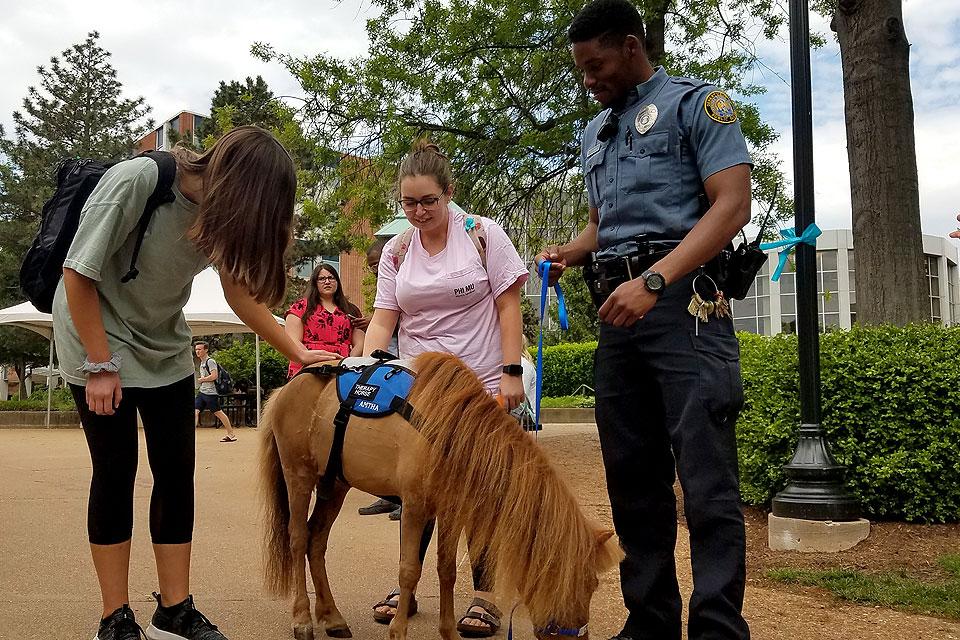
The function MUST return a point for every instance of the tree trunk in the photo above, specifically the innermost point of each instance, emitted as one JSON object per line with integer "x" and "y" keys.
{"x": 655, "y": 25}
{"x": 20, "y": 367}
{"x": 891, "y": 282}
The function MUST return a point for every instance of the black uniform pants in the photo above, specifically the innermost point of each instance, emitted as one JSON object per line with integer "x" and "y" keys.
{"x": 667, "y": 401}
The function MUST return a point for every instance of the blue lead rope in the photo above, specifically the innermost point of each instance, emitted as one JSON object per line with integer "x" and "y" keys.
{"x": 789, "y": 243}
{"x": 544, "y": 270}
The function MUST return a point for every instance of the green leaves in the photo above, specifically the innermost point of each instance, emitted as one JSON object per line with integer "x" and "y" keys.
{"x": 891, "y": 410}
{"x": 493, "y": 82}
{"x": 890, "y": 398}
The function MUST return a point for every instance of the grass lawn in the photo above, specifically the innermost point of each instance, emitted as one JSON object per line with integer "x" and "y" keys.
{"x": 892, "y": 589}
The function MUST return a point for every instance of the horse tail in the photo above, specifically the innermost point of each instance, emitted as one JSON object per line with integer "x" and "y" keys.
{"x": 277, "y": 559}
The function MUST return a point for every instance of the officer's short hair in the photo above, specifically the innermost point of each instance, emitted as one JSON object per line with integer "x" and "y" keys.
{"x": 610, "y": 20}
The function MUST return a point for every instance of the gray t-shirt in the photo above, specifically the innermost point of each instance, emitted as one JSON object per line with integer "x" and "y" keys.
{"x": 208, "y": 365}
{"x": 143, "y": 318}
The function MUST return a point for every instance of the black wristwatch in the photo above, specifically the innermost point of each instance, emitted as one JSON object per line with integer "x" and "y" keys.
{"x": 513, "y": 369}
{"x": 653, "y": 281}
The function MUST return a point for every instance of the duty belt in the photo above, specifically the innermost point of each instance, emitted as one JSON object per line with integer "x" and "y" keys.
{"x": 604, "y": 274}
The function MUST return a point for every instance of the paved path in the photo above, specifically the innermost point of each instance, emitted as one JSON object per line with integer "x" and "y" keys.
{"x": 48, "y": 588}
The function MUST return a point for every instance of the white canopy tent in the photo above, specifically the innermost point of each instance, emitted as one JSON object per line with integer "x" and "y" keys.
{"x": 207, "y": 313}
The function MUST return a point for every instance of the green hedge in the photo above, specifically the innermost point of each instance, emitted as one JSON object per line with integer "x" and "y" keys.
{"x": 240, "y": 359}
{"x": 891, "y": 409}
{"x": 567, "y": 367}
{"x": 890, "y": 401}
{"x": 62, "y": 400}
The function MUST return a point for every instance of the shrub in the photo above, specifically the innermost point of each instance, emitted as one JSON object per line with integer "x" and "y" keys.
{"x": 567, "y": 367}
{"x": 62, "y": 400}
{"x": 889, "y": 399}
{"x": 240, "y": 360}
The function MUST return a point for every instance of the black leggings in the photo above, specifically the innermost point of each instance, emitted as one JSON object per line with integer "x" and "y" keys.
{"x": 167, "y": 415}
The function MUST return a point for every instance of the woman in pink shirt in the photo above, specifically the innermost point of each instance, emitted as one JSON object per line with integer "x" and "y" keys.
{"x": 446, "y": 299}
{"x": 322, "y": 320}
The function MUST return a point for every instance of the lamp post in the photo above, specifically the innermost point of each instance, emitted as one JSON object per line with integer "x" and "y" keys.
{"x": 815, "y": 489}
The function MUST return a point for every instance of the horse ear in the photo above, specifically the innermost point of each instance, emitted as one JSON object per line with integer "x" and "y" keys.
{"x": 603, "y": 535}
{"x": 609, "y": 552}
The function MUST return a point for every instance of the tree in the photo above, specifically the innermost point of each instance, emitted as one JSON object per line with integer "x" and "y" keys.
{"x": 76, "y": 111}
{"x": 251, "y": 102}
{"x": 493, "y": 82}
{"x": 235, "y": 104}
{"x": 884, "y": 190}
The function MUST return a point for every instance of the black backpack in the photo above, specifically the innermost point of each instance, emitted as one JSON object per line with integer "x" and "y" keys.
{"x": 223, "y": 383}
{"x": 42, "y": 266}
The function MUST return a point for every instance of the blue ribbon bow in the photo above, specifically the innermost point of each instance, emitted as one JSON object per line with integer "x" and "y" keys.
{"x": 544, "y": 270}
{"x": 789, "y": 243}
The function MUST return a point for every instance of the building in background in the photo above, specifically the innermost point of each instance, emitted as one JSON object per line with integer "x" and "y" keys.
{"x": 183, "y": 125}
{"x": 771, "y": 307}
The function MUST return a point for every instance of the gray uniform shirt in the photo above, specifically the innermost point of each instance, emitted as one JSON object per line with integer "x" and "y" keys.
{"x": 143, "y": 318}
{"x": 645, "y": 178}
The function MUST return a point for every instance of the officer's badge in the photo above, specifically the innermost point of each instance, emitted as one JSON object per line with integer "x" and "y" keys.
{"x": 646, "y": 118}
{"x": 719, "y": 107}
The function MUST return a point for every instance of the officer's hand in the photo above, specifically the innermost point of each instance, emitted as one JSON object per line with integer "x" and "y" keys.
{"x": 628, "y": 303}
{"x": 558, "y": 263}
{"x": 103, "y": 392}
{"x": 956, "y": 234}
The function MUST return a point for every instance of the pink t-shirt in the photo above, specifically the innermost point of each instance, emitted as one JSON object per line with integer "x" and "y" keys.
{"x": 447, "y": 302}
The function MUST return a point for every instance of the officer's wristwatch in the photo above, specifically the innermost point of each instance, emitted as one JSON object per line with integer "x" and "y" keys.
{"x": 513, "y": 369}
{"x": 653, "y": 281}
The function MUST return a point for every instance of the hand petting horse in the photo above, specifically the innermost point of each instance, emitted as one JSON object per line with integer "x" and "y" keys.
{"x": 460, "y": 459}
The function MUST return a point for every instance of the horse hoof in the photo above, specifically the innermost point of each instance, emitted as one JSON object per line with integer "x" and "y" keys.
{"x": 339, "y": 632}
{"x": 303, "y": 632}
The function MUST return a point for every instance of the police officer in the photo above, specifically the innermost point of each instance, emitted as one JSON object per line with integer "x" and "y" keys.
{"x": 668, "y": 182}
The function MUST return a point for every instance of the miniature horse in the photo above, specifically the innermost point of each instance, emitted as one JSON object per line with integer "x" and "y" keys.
{"x": 462, "y": 460}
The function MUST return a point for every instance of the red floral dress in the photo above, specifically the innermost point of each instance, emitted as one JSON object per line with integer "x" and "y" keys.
{"x": 322, "y": 330}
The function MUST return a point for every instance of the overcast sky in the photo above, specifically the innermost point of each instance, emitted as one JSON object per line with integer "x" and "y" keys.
{"x": 175, "y": 53}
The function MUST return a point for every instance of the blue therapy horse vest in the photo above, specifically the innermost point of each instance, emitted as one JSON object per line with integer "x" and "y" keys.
{"x": 373, "y": 390}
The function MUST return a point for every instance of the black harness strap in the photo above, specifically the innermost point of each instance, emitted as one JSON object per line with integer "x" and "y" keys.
{"x": 334, "y": 467}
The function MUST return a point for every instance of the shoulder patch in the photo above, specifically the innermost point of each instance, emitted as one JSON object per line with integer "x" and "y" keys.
{"x": 719, "y": 107}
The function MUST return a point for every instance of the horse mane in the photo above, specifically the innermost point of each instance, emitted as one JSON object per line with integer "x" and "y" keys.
{"x": 490, "y": 479}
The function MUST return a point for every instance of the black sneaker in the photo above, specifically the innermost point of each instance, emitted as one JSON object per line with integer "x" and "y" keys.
{"x": 181, "y": 622}
{"x": 119, "y": 625}
{"x": 378, "y": 506}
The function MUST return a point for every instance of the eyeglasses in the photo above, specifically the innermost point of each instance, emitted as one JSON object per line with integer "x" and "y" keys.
{"x": 609, "y": 128}
{"x": 326, "y": 279}
{"x": 427, "y": 202}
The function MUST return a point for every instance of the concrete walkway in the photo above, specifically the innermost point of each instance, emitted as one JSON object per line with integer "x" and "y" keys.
{"x": 48, "y": 588}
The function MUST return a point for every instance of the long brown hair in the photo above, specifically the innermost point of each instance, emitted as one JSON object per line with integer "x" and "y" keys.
{"x": 245, "y": 214}
{"x": 312, "y": 294}
{"x": 538, "y": 542}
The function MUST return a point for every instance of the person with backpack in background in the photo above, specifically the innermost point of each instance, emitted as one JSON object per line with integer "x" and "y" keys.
{"x": 208, "y": 395}
{"x": 453, "y": 284}
{"x": 124, "y": 345}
